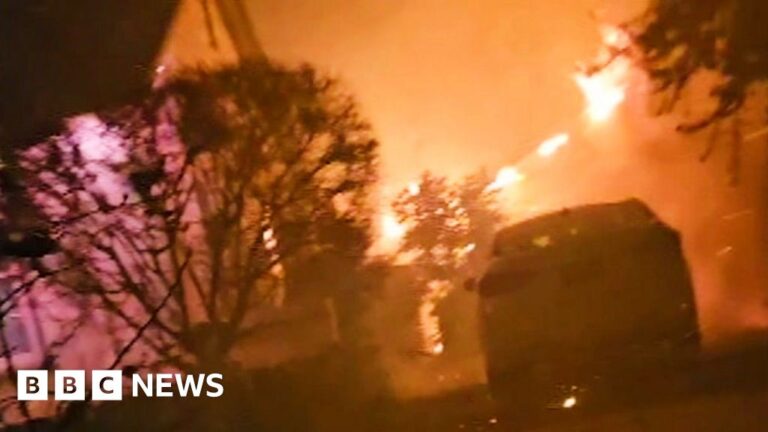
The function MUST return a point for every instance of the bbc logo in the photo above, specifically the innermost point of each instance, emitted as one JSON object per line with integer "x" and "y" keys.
{"x": 107, "y": 385}
{"x": 69, "y": 385}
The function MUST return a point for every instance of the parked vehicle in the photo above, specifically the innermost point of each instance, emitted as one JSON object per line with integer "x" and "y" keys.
{"x": 587, "y": 308}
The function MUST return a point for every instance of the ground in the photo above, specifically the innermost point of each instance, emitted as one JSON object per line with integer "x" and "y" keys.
{"x": 333, "y": 394}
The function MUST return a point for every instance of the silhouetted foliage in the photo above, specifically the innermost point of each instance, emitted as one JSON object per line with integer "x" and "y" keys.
{"x": 678, "y": 38}
{"x": 449, "y": 226}
{"x": 189, "y": 211}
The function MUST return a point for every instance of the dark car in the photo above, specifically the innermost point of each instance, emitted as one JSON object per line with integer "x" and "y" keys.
{"x": 587, "y": 308}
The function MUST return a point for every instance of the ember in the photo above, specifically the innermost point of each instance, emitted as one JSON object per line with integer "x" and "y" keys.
{"x": 552, "y": 145}
{"x": 569, "y": 402}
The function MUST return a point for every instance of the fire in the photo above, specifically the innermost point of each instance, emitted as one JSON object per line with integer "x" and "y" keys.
{"x": 414, "y": 188}
{"x": 506, "y": 177}
{"x": 391, "y": 228}
{"x": 438, "y": 348}
{"x": 552, "y": 145}
{"x": 270, "y": 242}
{"x": 466, "y": 250}
{"x": 429, "y": 322}
{"x": 605, "y": 89}
{"x": 569, "y": 402}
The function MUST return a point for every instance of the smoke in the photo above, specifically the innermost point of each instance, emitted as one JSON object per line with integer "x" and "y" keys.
{"x": 449, "y": 85}
{"x": 722, "y": 218}
{"x": 454, "y": 85}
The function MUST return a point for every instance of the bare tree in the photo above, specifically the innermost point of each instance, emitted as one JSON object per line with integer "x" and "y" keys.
{"x": 186, "y": 212}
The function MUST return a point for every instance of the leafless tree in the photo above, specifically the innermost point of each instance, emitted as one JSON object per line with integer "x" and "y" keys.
{"x": 182, "y": 214}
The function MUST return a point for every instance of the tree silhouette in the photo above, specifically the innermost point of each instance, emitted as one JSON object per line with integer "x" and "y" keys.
{"x": 449, "y": 231}
{"x": 675, "y": 39}
{"x": 185, "y": 213}
{"x": 450, "y": 227}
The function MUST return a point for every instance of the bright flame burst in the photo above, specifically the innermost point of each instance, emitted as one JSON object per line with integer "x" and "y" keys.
{"x": 506, "y": 177}
{"x": 391, "y": 228}
{"x": 552, "y": 145}
{"x": 605, "y": 89}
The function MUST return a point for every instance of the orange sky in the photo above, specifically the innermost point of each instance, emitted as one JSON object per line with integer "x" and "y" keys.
{"x": 449, "y": 85}
{"x": 452, "y": 85}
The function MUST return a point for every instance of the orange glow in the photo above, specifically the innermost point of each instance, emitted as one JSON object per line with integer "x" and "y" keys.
{"x": 552, "y": 145}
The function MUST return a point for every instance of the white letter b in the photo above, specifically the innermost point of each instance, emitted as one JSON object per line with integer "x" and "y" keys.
{"x": 32, "y": 385}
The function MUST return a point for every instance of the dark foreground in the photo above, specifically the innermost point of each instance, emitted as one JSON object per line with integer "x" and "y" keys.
{"x": 336, "y": 394}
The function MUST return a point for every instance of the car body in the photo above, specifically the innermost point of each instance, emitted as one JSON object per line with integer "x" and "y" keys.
{"x": 586, "y": 308}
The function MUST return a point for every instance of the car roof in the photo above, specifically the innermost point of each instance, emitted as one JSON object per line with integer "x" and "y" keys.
{"x": 575, "y": 225}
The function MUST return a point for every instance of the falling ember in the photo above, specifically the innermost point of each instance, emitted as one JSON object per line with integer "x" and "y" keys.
{"x": 605, "y": 88}
{"x": 569, "y": 403}
{"x": 466, "y": 250}
{"x": 724, "y": 251}
{"x": 438, "y": 348}
{"x": 506, "y": 177}
{"x": 552, "y": 145}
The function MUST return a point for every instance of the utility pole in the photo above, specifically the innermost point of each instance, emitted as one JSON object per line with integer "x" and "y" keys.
{"x": 234, "y": 14}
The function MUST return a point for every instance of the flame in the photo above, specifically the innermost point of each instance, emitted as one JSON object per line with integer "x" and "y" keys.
{"x": 438, "y": 348}
{"x": 414, "y": 188}
{"x": 391, "y": 228}
{"x": 270, "y": 242}
{"x": 606, "y": 88}
{"x": 552, "y": 145}
{"x": 468, "y": 249}
{"x": 429, "y": 322}
{"x": 506, "y": 177}
{"x": 614, "y": 38}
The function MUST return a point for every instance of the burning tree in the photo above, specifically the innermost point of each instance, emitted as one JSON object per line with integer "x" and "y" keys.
{"x": 184, "y": 213}
{"x": 449, "y": 231}
{"x": 449, "y": 227}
